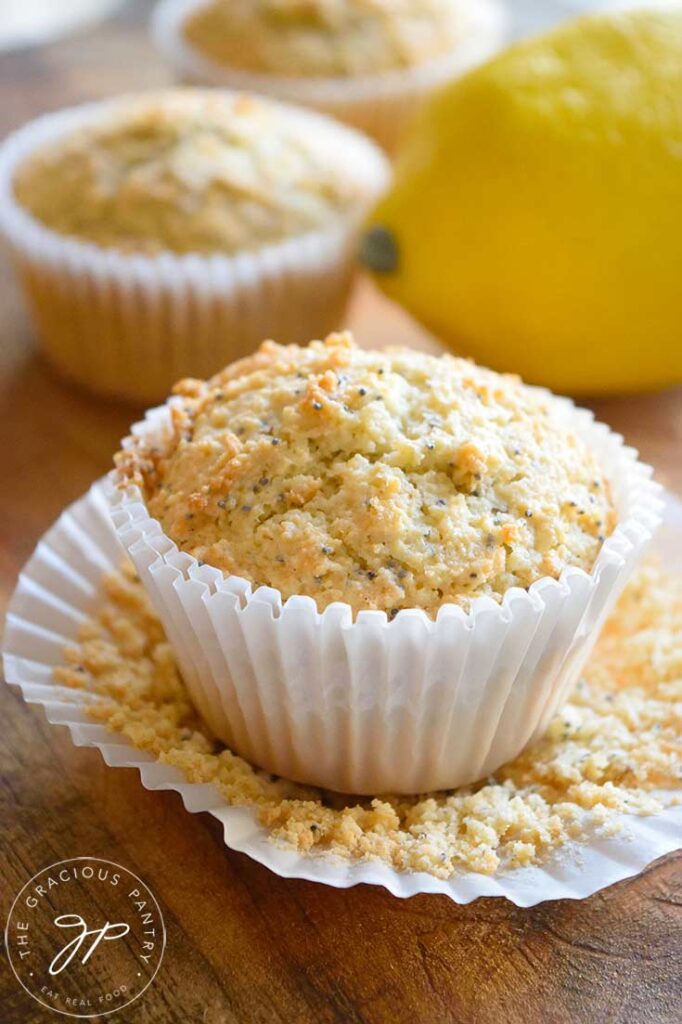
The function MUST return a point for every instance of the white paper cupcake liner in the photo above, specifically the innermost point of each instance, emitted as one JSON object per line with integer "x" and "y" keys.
{"x": 131, "y": 325}
{"x": 372, "y": 706}
{"x": 380, "y": 104}
{"x": 61, "y": 586}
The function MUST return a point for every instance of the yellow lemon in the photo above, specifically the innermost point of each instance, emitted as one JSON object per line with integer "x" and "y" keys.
{"x": 535, "y": 221}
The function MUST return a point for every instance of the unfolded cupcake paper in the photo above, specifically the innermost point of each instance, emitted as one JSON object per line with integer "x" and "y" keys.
{"x": 60, "y": 588}
{"x": 379, "y": 104}
{"x": 130, "y": 325}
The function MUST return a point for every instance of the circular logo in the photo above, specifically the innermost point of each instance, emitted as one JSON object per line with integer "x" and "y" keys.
{"x": 85, "y": 937}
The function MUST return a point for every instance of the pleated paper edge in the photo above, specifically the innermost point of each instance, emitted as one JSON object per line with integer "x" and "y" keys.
{"x": 575, "y": 872}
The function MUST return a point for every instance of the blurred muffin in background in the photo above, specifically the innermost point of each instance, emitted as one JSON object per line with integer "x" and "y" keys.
{"x": 368, "y": 62}
{"x": 160, "y": 234}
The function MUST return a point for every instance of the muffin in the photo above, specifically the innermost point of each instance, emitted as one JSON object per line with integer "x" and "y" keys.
{"x": 385, "y": 480}
{"x": 368, "y": 62}
{"x": 168, "y": 232}
{"x": 391, "y": 551}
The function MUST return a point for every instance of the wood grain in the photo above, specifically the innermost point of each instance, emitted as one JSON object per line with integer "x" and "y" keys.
{"x": 244, "y": 945}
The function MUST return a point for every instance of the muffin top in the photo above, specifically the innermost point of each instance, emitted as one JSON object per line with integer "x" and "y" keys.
{"x": 191, "y": 171}
{"x": 324, "y": 37}
{"x": 386, "y": 479}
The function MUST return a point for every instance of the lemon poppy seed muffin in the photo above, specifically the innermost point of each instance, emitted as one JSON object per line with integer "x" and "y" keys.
{"x": 188, "y": 171}
{"x": 162, "y": 235}
{"x": 324, "y": 37}
{"x": 383, "y": 479}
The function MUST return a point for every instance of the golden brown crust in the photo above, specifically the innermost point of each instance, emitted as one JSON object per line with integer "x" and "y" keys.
{"x": 386, "y": 480}
{"x": 189, "y": 171}
{"x": 336, "y": 38}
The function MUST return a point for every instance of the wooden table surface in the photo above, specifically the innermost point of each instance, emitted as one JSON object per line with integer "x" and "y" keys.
{"x": 244, "y": 945}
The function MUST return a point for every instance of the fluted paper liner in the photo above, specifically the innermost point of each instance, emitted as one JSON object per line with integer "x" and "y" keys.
{"x": 130, "y": 325}
{"x": 61, "y": 585}
{"x": 379, "y": 104}
{"x": 371, "y": 706}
